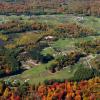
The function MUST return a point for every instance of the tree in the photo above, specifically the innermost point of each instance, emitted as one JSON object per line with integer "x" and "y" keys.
{"x": 6, "y": 92}
{"x": 83, "y": 74}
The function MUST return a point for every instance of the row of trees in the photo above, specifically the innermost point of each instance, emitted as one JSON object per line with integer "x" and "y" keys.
{"x": 87, "y": 7}
{"x": 56, "y": 91}
{"x": 63, "y": 30}
{"x": 69, "y": 90}
{"x": 21, "y": 26}
{"x": 16, "y": 8}
{"x": 73, "y": 30}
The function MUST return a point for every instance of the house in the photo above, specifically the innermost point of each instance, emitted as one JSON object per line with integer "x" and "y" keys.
{"x": 80, "y": 18}
{"x": 49, "y": 38}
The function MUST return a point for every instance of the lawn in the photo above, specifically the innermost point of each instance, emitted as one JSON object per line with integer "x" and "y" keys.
{"x": 40, "y": 73}
{"x": 67, "y": 43}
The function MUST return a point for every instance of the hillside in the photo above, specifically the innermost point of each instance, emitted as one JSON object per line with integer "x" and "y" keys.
{"x": 48, "y": 7}
{"x": 12, "y": 0}
{"x": 23, "y": 44}
{"x": 49, "y": 49}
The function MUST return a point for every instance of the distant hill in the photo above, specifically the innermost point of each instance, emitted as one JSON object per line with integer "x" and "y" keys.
{"x": 42, "y": 0}
{"x": 12, "y": 0}
{"x": 33, "y": 1}
{"x": 87, "y": 7}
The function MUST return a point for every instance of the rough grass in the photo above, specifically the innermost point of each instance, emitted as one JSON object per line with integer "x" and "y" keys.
{"x": 88, "y": 21}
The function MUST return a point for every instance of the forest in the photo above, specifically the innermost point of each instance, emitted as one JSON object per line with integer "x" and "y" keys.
{"x": 49, "y": 49}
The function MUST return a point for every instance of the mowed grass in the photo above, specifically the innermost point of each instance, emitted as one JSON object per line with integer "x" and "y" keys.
{"x": 63, "y": 43}
{"x": 66, "y": 43}
{"x": 39, "y": 74}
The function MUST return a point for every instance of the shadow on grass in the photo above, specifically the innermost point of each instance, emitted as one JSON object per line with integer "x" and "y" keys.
{"x": 3, "y": 75}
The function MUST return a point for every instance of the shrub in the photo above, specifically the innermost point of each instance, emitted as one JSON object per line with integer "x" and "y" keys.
{"x": 73, "y": 30}
{"x": 85, "y": 74}
{"x": 92, "y": 46}
{"x": 46, "y": 58}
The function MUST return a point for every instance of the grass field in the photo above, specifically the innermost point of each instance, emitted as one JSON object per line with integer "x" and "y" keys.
{"x": 55, "y": 19}
{"x": 40, "y": 73}
{"x": 66, "y": 44}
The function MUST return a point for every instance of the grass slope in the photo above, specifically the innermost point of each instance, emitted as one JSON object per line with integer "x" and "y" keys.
{"x": 40, "y": 73}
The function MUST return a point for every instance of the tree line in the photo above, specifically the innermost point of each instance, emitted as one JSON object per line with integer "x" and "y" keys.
{"x": 86, "y": 7}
